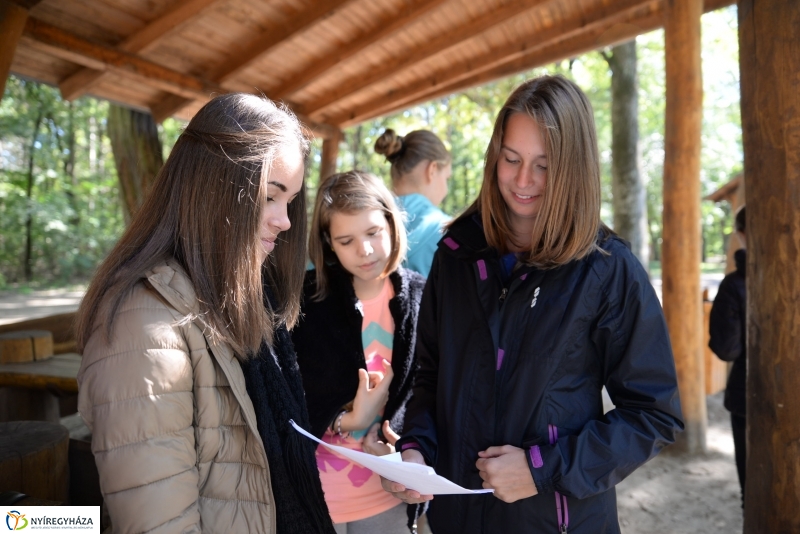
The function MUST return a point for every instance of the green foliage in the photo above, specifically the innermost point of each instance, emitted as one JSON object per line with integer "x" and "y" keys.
{"x": 74, "y": 202}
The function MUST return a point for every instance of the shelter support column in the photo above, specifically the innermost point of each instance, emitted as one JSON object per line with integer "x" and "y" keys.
{"x": 681, "y": 248}
{"x": 770, "y": 70}
{"x": 12, "y": 23}
{"x": 330, "y": 152}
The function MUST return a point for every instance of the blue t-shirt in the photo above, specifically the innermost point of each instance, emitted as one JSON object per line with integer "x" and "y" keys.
{"x": 424, "y": 225}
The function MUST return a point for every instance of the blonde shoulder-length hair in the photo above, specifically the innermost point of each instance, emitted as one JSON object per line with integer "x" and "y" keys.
{"x": 567, "y": 226}
{"x": 351, "y": 192}
{"x": 204, "y": 213}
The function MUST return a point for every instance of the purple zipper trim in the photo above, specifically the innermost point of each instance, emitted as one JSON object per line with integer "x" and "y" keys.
{"x": 524, "y": 276}
{"x": 500, "y": 354}
{"x": 562, "y": 512}
{"x": 536, "y": 456}
{"x": 450, "y": 242}
{"x": 482, "y": 269}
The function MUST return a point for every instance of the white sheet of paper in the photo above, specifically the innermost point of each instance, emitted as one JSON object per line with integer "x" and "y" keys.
{"x": 421, "y": 478}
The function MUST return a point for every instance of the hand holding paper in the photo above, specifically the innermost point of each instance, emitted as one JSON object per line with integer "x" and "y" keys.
{"x": 421, "y": 478}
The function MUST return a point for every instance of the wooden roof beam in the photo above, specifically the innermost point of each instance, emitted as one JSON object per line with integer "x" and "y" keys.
{"x": 269, "y": 39}
{"x": 424, "y": 51}
{"x": 84, "y": 79}
{"x": 12, "y": 23}
{"x": 607, "y": 32}
{"x": 70, "y": 47}
{"x": 390, "y": 25}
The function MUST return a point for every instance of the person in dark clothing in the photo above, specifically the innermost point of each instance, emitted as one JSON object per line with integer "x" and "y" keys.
{"x": 531, "y": 307}
{"x": 355, "y": 345}
{"x": 727, "y": 328}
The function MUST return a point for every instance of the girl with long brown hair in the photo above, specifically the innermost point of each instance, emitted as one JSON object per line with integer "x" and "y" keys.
{"x": 188, "y": 378}
{"x": 531, "y": 307}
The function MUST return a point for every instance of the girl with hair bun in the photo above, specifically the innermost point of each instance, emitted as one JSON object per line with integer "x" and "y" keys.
{"x": 421, "y": 166}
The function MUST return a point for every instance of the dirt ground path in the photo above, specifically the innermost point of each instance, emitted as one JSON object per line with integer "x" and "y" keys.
{"x": 20, "y": 306}
{"x": 675, "y": 494}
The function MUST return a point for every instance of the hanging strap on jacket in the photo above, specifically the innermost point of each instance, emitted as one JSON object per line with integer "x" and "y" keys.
{"x": 562, "y": 512}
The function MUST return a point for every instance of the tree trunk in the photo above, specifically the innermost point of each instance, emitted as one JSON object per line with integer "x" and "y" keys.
{"x": 330, "y": 153}
{"x": 137, "y": 154}
{"x": 770, "y": 69}
{"x": 627, "y": 187}
{"x": 28, "y": 261}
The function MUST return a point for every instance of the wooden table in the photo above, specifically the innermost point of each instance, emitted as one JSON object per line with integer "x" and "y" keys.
{"x": 31, "y": 390}
{"x": 59, "y": 373}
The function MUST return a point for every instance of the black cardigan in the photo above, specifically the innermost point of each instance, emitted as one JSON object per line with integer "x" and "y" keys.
{"x": 329, "y": 349}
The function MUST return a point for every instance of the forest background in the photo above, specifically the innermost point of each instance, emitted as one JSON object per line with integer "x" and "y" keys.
{"x": 60, "y": 202}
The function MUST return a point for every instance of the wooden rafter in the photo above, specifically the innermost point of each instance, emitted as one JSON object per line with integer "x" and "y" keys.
{"x": 606, "y": 32}
{"x": 242, "y": 59}
{"x": 422, "y": 52}
{"x": 82, "y": 81}
{"x": 386, "y": 27}
{"x": 12, "y": 23}
{"x": 70, "y": 47}
{"x": 554, "y": 50}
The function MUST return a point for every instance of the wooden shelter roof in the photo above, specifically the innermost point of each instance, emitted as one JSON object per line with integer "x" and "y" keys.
{"x": 335, "y": 62}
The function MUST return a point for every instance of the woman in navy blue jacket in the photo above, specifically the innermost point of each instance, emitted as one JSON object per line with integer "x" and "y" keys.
{"x": 531, "y": 307}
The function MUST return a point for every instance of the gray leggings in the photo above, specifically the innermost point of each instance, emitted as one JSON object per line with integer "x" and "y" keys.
{"x": 392, "y": 521}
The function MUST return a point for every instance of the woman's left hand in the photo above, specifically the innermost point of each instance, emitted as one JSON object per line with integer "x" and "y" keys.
{"x": 374, "y": 446}
{"x": 506, "y": 470}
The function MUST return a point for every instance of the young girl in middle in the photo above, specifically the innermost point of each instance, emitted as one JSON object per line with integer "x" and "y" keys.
{"x": 355, "y": 344}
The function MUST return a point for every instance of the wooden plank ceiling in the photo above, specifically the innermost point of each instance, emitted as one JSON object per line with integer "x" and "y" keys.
{"x": 335, "y": 62}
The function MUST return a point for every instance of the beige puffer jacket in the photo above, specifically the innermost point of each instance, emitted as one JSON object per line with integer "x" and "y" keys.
{"x": 173, "y": 430}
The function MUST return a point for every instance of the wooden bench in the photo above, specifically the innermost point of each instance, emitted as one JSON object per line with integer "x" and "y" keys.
{"x": 31, "y": 390}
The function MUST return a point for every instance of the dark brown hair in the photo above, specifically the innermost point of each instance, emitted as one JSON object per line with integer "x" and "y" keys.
{"x": 405, "y": 152}
{"x": 740, "y": 220}
{"x": 204, "y": 212}
{"x": 351, "y": 192}
{"x": 569, "y": 218}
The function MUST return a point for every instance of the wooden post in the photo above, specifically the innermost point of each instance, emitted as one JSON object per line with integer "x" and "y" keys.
{"x": 12, "y": 23}
{"x": 770, "y": 69}
{"x": 681, "y": 246}
{"x": 330, "y": 152}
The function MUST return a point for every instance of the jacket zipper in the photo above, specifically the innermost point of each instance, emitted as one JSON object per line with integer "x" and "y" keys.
{"x": 503, "y": 294}
{"x": 562, "y": 512}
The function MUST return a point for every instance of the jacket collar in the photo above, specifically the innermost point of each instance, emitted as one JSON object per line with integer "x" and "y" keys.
{"x": 341, "y": 284}
{"x": 171, "y": 282}
{"x": 465, "y": 240}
